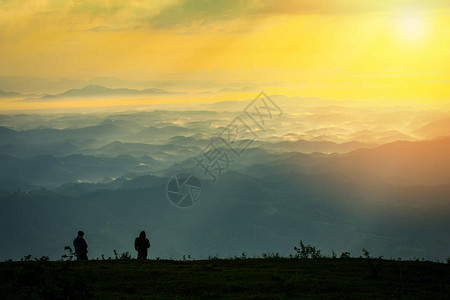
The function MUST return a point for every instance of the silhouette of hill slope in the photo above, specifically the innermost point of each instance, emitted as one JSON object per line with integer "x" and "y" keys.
{"x": 315, "y": 146}
{"x": 424, "y": 162}
{"x": 417, "y": 163}
{"x": 434, "y": 129}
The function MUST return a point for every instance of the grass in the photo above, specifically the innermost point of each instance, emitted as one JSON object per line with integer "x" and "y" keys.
{"x": 250, "y": 278}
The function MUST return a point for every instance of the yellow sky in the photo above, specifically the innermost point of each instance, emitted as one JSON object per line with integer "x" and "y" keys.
{"x": 341, "y": 49}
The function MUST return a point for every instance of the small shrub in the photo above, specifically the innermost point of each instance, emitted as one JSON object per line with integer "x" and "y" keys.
{"x": 69, "y": 255}
{"x": 307, "y": 251}
{"x": 448, "y": 260}
{"x": 345, "y": 255}
{"x": 28, "y": 257}
{"x": 125, "y": 255}
{"x": 366, "y": 253}
{"x": 42, "y": 258}
{"x": 271, "y": 255}
{"x": 417, "y": 259}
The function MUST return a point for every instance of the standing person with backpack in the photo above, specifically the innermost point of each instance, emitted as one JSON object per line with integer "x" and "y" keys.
{"x": 141, "y": 244}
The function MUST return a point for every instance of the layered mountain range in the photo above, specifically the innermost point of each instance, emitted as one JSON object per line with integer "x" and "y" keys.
{"x": 342, "y": 178}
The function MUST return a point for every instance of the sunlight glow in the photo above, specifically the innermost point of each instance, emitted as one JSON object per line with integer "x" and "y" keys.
{"x": 412, "y": 26}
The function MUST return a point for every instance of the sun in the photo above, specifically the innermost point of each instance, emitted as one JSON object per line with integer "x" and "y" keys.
{"x": 411, "y": 26}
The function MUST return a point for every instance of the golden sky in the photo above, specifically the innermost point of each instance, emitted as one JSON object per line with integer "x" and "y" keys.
{"x": 334, "y": 49}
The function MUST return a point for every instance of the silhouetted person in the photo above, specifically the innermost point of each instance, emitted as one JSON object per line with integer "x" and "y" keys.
{"x": 141, "y": 244}
{"x": 80, "y": 246}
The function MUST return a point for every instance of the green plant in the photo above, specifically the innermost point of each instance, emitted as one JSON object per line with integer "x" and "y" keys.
{"x": 125, "y": 255}
{"x": 366, "y": 253}
{"x": 68, "y": 256}
{"x": 273, "y": 255}
{"x": 42, "y": 258}
{"x": 345, "y": 255}
{"x": 28, "y": 257}
{"x": 307, "y": 251}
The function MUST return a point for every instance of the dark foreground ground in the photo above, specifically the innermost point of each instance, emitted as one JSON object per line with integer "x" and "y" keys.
{"x": 237, "y": 278}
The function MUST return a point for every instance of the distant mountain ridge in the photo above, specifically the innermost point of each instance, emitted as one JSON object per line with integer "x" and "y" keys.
{"x": 316, "y": 146}
{"x": 4, "y": 94}
{"x": 97, "y": 90}
{"x": 434, "y": 129}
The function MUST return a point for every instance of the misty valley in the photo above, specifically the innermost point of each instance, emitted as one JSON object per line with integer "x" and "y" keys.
{"x": 340, "y": 178}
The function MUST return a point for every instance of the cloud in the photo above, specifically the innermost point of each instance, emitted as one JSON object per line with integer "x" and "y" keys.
{"x": 97, "y": 8}
{"x": 75, "y": 15}
{"x": 336, "y": 7}
{"x": 189, "y": 12}
{"x": 101, "y": 15}
{"x": 202, "y": 12}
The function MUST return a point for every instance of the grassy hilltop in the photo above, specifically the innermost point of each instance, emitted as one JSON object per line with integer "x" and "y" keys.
{"x": 252, "y": 278}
